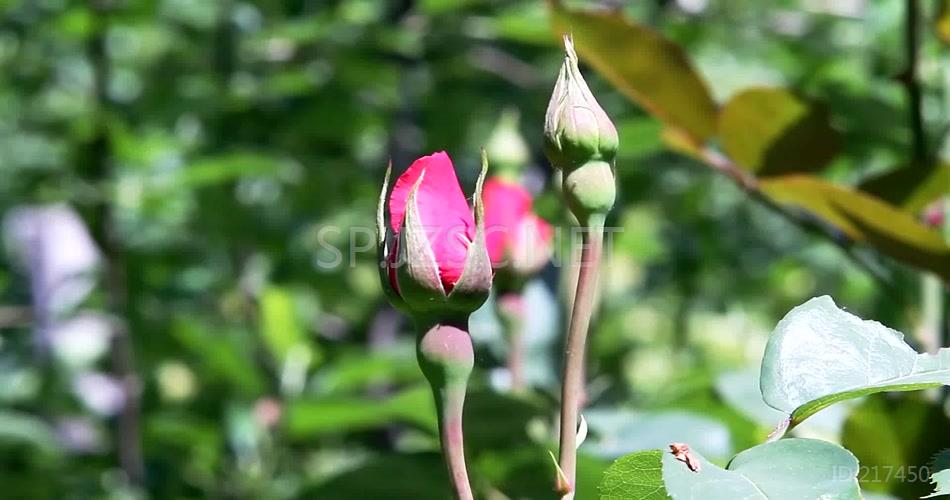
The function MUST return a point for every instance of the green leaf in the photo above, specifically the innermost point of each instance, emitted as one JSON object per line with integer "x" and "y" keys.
{"x": 910, "y": 187}
{"x": 647, "y": 67}
{"x": 941, "y": 482}
{"x": 419, "y": 476}
{"x": 280, "y": 327}
{"x": 22, "y": 428}
{"x": 221, "y": 353}
{"x": 772, "y": 131}
{"x": 617, "y": 431}
{"x": 789, "y": 469}
{"x": 819, "y": 355}
{"x": 637, "y": 476}
{"x": 307, "y": 418}
{"x": 865, "y": 219}
{"x": 219, "y": 169}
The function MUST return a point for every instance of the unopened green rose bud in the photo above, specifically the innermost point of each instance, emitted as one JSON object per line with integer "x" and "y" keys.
{"x": 576, "y": 128}
{"x": 581, "y": 141}
{"x": 507, "y": 149}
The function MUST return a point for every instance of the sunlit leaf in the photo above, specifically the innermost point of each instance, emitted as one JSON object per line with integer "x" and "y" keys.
{"x": 866, "y": 219}
{"x": 644, "y": 65}
{"x": 772, "y": 131}
{"x": 637, "y": 476}
{"x": 789, "y": 469}
{"x": 819, "y": 355}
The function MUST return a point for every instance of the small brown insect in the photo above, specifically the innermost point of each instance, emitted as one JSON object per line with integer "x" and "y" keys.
{"x": 682, "y": 453}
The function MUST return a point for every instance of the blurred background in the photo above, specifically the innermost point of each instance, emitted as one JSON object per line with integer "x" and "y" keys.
{"x": 189, "y": 299}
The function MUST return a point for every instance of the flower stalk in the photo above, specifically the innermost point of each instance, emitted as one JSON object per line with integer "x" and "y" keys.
{"x": 446, "y": 355}
{"x": 572, "y": 388}
{"x": 581, "y": 142}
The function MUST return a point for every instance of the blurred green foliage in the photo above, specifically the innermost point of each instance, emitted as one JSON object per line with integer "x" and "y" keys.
{"x": 227, "y": 155}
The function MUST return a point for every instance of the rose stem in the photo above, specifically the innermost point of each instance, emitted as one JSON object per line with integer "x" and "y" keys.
{"x": 572, "y": 390}
{"x": 446, "y": 357}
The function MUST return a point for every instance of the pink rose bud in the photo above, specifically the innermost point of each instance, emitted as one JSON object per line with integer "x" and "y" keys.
{"x": 432, "y": 251}
{"x": 516, "y": 238}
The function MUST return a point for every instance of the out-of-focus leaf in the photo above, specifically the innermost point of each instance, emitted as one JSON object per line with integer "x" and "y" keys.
{"x": 740, "y": 389}
{"x": 21, "y": 428}
{"x": 221, "y": 357}
{"x": 215, "y": 170}
{"x": 942, "y": 27}
{"x": 788, "y": 469}
{"x": 357, "y": 371}
{"x": 819, "y": 355}
{"x": 772, "y": 131}
{"x": 418, "y": 476}
{"x": 485, "y": 431}
{"x": 527, "y": 471}
{"x": 910, "y": 187}
{"x": 637, "y": 476}
{"x": 866, "y": 219}
{"x": 644, "y": 65}
{"x": 896, "y": 438}
{"x": 280, "y": 327}
{"x": 616, "y": 432}
{"x": 313, "y": 417}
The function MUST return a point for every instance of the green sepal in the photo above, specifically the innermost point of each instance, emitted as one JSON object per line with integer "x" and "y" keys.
{"x": 383, "y": 237}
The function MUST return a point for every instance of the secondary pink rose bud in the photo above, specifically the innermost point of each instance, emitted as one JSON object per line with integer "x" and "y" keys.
{"x": 576, "y": 129}
{"x": 517, "y": 239}
{"x": 432, "y": 250}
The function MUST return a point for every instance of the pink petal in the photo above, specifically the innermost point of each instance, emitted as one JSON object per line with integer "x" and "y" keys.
{"x": 506, "y": 205}
{"x": 443, "y": 210}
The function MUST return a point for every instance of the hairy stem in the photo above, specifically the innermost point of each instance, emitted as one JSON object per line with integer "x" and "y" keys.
{"x": 446, "y": 356}
{"x": 572, "y": 389}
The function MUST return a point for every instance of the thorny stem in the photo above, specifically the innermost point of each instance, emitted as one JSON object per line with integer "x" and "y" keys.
{"x": 446, "y": 356}
{"x": 572, "y": 389}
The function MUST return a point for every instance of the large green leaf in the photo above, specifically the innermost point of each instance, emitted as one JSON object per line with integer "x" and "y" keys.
{"x": 637, "y": 476}
{"x": 866, "y": 219}
{"x": 819, "y": 355}
{"x": 772, "y": 131}
{"x": 644, "y": 65}
{"x": 789, "y": 469}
